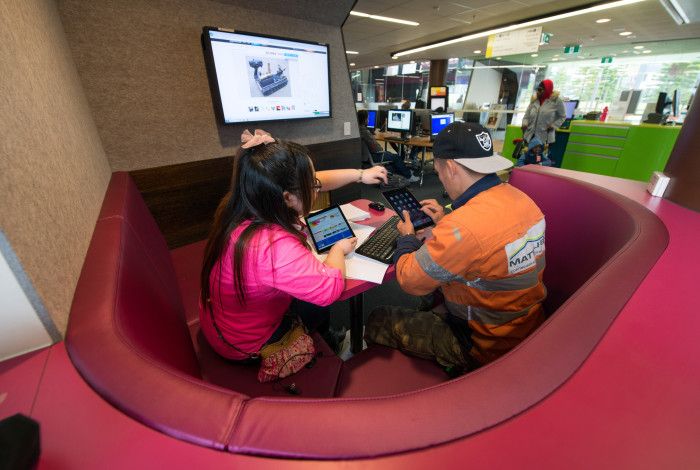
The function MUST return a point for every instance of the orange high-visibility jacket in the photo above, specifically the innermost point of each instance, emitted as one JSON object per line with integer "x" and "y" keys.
{"x": 487, "y": 257}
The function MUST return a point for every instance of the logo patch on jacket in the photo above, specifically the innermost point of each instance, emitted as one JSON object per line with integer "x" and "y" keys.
{"x": 522, "y": 253}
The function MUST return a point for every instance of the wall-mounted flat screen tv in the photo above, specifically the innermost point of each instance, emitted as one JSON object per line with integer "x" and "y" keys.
{"x": 265, "y": 78}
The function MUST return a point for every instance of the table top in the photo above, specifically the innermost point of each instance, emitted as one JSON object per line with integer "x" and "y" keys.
{"x": 418, "y": 141}
{"x": 355, "y": 286}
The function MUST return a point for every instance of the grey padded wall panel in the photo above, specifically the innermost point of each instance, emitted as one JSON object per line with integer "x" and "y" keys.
{"x": 143, "y": 72}
{"x": 53, "y": 170}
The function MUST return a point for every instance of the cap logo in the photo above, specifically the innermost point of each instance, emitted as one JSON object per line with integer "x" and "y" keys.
{"x": 484, "y": 140}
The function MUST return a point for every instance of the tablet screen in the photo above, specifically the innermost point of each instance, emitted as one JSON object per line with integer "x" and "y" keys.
{"x": 327, "y": 227}
{"x": 402, "y": 200}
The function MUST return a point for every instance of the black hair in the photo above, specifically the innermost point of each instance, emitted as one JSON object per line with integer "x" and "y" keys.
{"x": 362, "y": 116}
{"x": 261, "y": 175}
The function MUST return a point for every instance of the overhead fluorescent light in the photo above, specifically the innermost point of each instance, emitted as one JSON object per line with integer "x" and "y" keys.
{"x": 384, "y": 18}
{"x": 625, "y": 33}
{"x": 525, "y": 24}
{"x": 676, "y": 9}
{"x": 352, "y": 64}
{"x": 351, "y": 52}
{"x": 602, "y": 20}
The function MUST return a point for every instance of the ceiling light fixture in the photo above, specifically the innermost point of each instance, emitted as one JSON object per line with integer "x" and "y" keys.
{"x": 648, "y": 51}
{"x": 625, "y": 33}
{"x": 534, "y": 55}
{"x": 478, "y": 51}
{"x": 603, "y": 20}
{"x": 351, "y": 52}
{"x": 639, "y": 47}
{"x": 352, "y": 64}
{"x": 384, "y": 18}
{"x": 512, "y": 27}
{"x": 676, "y": 9}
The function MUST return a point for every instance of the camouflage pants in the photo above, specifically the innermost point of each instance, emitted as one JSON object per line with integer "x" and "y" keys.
{"x": 417, "y": 333}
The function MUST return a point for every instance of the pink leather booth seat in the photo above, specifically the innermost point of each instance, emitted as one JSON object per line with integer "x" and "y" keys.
{"x": 128, "y": 336}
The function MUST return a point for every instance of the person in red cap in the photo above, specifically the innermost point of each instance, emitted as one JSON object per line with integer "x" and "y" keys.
{"x": 545, "y": 113}
{"x": 485, "y": 260}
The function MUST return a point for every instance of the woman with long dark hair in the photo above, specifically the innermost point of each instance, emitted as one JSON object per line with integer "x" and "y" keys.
{"x": 257, "y": 258}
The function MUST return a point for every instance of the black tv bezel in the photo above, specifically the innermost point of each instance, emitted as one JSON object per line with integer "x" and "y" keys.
{"x": 214, "y": 83}
{"x": 410, "y": 122}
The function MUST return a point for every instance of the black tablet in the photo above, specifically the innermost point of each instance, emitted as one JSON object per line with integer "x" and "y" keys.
{"x": 327, "y": 227}
{"x": 401, "y": 200}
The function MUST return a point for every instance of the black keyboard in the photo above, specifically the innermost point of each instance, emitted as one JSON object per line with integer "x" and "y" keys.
{"x": 382, "y": 243}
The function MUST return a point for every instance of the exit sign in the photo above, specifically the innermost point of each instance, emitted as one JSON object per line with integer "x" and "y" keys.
{"x": 606, "y": 60}
{"x": 573, "y": 49}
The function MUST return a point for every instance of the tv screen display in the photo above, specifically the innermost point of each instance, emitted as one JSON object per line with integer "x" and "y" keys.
{"x": 570, "y": 107}
{"x": 436, "y": 103}
{"x": 265, "y": 78}
{"x": 440, "y": 121}
{"x": 371, "y": 119}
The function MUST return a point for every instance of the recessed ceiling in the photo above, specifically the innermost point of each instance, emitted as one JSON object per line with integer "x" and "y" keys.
{"x": 439, "y": 19}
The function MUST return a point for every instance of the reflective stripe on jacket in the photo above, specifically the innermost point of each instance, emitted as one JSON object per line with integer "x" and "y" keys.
{"x": 488, "y": 258}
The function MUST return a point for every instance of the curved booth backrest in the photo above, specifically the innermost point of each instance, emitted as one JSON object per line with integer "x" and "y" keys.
{"x": 127, "y": 334}
{"x": 128, "y": 338}
{"x": 585, "y": 228}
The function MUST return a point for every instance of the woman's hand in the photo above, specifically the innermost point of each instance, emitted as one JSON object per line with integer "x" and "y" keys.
{"x": 345, "y": 245}
{"x": 336, "y": 255}
{"x": 374, "y": 175}
{"x": 432, "y": 209}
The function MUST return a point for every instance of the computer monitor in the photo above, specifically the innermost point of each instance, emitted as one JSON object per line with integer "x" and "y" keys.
{"x": 382, "y": 112}
{"x": 440, "y": 121}
{"x": 570, "y": 107}
{"x": 662, "y": 102}
{"x": 400, "y": 120}
{"x": 436, "y": 103}
{"x": 371, "y": 119}
{"x": 675, "y": 105}
{"x": 421, "y": 117}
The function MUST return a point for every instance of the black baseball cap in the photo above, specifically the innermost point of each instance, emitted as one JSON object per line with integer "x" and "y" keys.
{"x": 470, "y": 145}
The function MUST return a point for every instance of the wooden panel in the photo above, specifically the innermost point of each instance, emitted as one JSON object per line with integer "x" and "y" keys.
{"x": 184, "y": 197}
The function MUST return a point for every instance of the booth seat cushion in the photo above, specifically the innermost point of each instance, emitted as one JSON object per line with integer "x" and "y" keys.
{"x": 318, "y": 381}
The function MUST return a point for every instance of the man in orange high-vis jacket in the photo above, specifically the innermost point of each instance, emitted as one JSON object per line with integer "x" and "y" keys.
{"x": 486, "y": 258}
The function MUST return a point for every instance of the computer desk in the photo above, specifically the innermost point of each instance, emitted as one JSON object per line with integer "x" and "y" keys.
{"x": 354, "y": 288}
{"x": 416, "y": 141}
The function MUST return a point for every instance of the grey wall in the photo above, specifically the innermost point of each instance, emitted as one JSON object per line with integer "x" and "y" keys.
{"x": 143, "y": 71}
{"x": 53, "y": 170}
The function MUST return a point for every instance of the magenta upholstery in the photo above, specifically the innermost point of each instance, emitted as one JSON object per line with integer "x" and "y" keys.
{"x": 319, "y": 381}
{"x": 599, "y": 248}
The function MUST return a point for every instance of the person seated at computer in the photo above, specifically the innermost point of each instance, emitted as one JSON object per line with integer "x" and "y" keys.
{"x": 545, "y": 113}
{"x": 534, "y": 155}
{"x": 257, "y": 258}
{"x": 377, "y": 154}
{"x": 485, "y": 258}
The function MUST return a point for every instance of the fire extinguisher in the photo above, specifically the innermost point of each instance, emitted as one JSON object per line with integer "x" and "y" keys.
{"x": 604, "y": 114}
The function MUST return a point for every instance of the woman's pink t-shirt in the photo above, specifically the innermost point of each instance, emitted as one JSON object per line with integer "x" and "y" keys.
{"x": 277, "y": 267}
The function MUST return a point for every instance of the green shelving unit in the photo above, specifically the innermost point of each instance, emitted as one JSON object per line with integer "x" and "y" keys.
{"x": 619, "y": 149}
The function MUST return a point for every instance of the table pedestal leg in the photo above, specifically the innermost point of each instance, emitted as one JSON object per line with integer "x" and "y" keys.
{"x": 356, "y": 323}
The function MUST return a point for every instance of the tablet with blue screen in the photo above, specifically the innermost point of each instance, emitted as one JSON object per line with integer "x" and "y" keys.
{"x": 327, "y": 227}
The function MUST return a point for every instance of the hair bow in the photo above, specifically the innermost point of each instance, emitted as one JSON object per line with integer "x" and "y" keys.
{"x": 251, "y": 140}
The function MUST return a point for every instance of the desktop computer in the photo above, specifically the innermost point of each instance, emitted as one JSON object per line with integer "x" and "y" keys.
{"x": 400, "y": 120}
{"x": 438, "y": 122}
{"x": 421, "y": 119}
